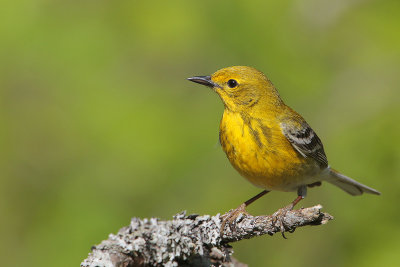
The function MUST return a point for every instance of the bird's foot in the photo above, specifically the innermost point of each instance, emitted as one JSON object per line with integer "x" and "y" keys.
{"x": 231, "y": 218}
{"x": 279, "y": 218}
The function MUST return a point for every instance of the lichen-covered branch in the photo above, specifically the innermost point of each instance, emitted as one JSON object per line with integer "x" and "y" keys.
{"x": 191, "y": 240}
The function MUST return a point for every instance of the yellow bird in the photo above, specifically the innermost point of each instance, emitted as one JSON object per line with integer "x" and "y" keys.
{"x": 267, "y": 142}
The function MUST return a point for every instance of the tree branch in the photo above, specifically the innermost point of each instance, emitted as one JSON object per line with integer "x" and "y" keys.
{"x": 192, "y": 240}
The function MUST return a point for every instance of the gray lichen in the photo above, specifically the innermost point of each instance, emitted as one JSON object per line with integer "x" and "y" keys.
{"x": 191, "y": 240}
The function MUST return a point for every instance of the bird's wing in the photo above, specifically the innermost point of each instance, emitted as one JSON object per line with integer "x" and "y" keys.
{"x": 305, "y": 141}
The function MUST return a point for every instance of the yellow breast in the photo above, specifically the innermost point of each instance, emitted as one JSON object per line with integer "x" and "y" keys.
{"x": 261, "y": 153}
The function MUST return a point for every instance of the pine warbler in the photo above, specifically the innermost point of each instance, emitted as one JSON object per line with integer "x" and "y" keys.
{"x": 267, "y": 142}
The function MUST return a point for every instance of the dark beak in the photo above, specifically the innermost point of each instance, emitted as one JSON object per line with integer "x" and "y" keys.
{"x": 204, "y": 80}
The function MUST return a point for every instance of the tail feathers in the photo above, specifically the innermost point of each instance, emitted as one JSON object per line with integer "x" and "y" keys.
{"x": 349, "y": 185}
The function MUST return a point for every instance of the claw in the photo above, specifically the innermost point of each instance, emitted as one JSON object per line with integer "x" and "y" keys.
{"x": 231, "y": 218}
{"x": 281, "y": 213}
{"x": 279, "y": 218}
{"x": 232, "y": 215}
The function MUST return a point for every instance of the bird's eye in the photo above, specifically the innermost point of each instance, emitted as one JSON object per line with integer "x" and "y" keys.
{"x": 232, "y": 83}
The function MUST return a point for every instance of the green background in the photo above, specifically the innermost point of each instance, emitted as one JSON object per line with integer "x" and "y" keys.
{"x": 100, "y": 125}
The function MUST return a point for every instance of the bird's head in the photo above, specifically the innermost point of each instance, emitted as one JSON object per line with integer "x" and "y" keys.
{"x": 241, "y": 88}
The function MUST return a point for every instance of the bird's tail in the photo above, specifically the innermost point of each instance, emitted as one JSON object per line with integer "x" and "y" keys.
{"x": 347, "y": 184}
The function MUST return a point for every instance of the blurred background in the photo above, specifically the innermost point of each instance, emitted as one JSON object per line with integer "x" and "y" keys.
{"x": 99, "y": 124}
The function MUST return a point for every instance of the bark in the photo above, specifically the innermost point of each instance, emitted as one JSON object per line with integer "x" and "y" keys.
{"x": 192, "y": 240}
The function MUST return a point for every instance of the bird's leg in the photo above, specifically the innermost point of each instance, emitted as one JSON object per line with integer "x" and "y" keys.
{"x": 281, "y": 213}
{"x": 231, "y": 216}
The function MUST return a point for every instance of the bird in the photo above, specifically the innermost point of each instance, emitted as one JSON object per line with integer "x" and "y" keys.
{"x": 269, "y": 143}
